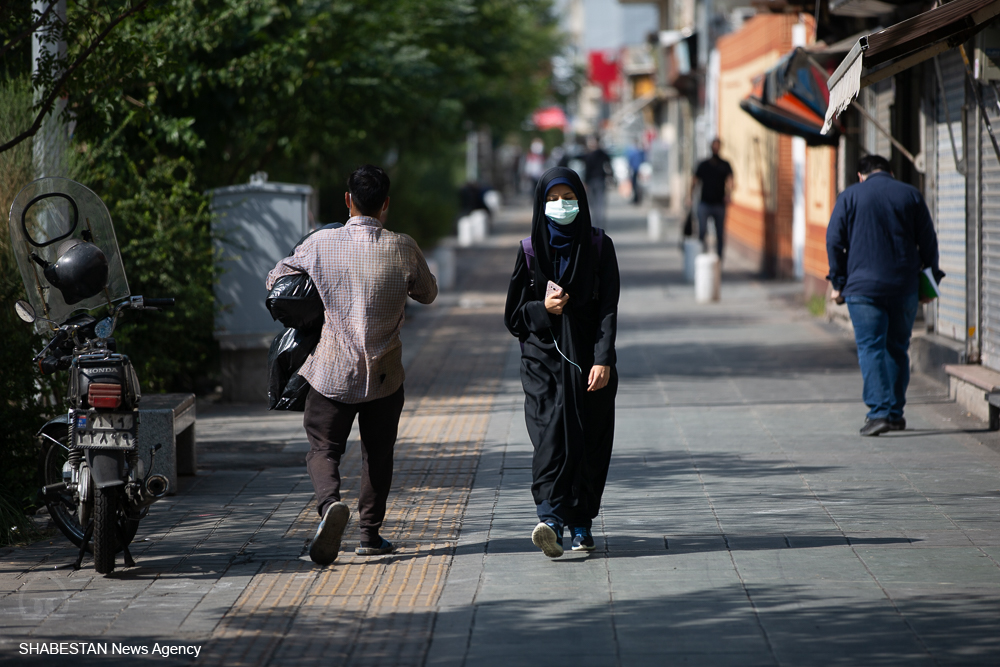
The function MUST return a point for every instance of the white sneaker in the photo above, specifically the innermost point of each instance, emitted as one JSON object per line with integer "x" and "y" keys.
{"x": 545, "y": 538}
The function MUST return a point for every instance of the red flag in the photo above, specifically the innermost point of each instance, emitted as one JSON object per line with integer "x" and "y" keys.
{"x": 604, "y": 72}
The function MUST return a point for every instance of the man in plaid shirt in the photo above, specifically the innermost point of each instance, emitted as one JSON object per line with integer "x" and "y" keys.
{"x": 363, "y": 273}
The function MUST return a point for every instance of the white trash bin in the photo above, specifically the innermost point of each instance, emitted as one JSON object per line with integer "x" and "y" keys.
{"x": 692, "y": 248}
{"x": 444, "y": 256}
{"x": 707, "y": 278}
{"x": 466, "y": 233}
{"x": 654, "y": 225}
{"x": 480, "y": 225}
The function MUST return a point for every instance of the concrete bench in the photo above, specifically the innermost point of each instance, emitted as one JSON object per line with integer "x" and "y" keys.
{"x": 966, "y": 382}
{"x": 168, "y": 420}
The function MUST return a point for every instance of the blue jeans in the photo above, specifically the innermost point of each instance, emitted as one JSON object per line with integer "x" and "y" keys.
{"x": 717, "y": 212}
{"x": 882, "y": 328}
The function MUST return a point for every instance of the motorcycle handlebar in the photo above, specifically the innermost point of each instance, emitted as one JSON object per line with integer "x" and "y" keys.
{"x": 52, "y": 364}
{"x": 158, "y": 303}
{"x": 59, "y": 338}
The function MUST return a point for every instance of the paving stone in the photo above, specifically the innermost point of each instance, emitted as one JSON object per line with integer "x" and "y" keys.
{"x": 744, "y": 523}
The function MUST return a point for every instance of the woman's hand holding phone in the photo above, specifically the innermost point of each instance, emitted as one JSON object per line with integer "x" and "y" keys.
{"x": 555, "y": 298}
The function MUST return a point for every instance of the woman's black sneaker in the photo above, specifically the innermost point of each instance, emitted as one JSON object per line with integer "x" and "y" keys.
{"x": 582, "y": 539}
{"x": 897, "y": 424}
{"x": 547, "y": 536}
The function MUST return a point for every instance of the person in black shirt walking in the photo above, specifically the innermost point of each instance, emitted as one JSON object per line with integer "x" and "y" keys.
{"x": 716, "y": 179}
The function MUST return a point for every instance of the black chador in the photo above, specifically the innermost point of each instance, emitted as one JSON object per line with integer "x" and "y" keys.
{"x": 571, "y": 427}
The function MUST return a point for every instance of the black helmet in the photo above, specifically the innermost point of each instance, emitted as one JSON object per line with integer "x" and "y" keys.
{"x": 80, "y": 272}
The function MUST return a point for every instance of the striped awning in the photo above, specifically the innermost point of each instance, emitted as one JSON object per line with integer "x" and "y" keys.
{"x": 887, "y": 52}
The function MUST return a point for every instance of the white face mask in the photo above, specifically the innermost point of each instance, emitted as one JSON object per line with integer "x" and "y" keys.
{"x": 562, "y": 211}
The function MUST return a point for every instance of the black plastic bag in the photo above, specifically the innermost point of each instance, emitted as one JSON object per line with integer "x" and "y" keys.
{"x": 295, "y": 302}
{"x": 293, "y": 399}
{"x": 286, "y": 389}
{"x": 689, "y": 223}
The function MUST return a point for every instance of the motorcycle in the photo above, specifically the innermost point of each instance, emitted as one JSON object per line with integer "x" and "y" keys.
{"x": 95, "y": 484}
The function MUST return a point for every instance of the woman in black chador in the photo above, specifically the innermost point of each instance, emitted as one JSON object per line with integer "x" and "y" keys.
{"x": 568, "y": 358}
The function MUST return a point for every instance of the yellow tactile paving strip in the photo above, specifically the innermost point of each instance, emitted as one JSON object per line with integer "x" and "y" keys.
{"x": 380, "y": 611}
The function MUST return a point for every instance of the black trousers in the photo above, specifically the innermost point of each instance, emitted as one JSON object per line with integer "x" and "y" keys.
{"x": 328, "y": 425}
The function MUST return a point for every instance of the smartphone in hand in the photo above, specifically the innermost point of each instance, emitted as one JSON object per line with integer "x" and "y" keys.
{"x": 552, "y": 289}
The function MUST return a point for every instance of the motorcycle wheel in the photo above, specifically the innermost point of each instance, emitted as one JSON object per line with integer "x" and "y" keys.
{"x": 66, "y": 511}
{"x": 105, "y": 529}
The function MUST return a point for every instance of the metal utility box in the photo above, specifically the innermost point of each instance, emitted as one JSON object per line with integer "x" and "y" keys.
{"x": 254, "y": 226}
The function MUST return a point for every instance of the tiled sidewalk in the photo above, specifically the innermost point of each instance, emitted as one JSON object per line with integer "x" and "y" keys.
{"x": 222, "y": 565}
{"x": 744, "y": 523}
{"x": 380, "y": 611}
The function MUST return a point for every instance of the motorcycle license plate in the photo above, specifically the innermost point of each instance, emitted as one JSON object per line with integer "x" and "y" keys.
{"x": 115, "y": 430}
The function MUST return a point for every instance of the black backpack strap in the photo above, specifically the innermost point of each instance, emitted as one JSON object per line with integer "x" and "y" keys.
{"x": 529, "y": 258}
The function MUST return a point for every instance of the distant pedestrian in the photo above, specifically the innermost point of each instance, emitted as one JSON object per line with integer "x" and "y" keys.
{"x": 596, "y": 170}
{"x": 567, "y": 358}
{"x": 534, "y": 162}
{"x": 879, "y": 238}
{"x": 715, "y": 176}
{"x": 636, "y": 157}
{"x": 363, "y": 273}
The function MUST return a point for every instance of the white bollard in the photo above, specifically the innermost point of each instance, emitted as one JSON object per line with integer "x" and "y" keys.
{"x": 480, "y": 225}
{"x": 444, "y": 257}
{"x": 465, "y": 231}
{"x": 654, "y": 225}
{"x": 707, "y": 278}
{"x": 692, "y": 248}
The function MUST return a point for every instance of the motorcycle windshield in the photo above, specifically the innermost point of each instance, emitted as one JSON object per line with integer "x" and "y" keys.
{"x": 64, "y": 241}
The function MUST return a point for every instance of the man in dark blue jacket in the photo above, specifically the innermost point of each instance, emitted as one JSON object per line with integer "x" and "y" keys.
{"x": 879, "y": 238}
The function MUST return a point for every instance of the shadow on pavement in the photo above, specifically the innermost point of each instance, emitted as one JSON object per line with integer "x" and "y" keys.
{"x": 766, "y": 624}
{"x": 923, "y": 432}
{"x": 714, "y": 360}
{"x": 656, "y": 466}
{"x": 762, "y": 624}
{"x": 638, "y": 546}
{"x": 677, "y": 544}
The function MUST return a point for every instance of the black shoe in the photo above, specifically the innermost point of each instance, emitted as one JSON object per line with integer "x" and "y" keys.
{"x": 876, "y": 427}
{"x": 897, "y": 424}
{"x": 548, "y": 538}
{"x": 382, "y": 547}
{"x": 326, "y": 544}
{"x": 582, "y": 539}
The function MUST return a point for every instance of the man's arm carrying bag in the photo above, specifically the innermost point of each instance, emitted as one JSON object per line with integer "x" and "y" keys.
{"x": 295, "y": 302}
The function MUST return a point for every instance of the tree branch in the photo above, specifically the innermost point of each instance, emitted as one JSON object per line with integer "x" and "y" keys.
{"x": 46, "y": 105}
{"x": 30, "y": 29}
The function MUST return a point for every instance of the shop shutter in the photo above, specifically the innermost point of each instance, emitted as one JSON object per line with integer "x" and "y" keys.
{"x": 989, "y": 193}
{"x": 949, "y": 202}
{"x": 877, "y": 101}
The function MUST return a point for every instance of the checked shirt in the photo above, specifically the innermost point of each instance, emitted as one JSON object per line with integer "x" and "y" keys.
{"x": 363, "y": 273}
